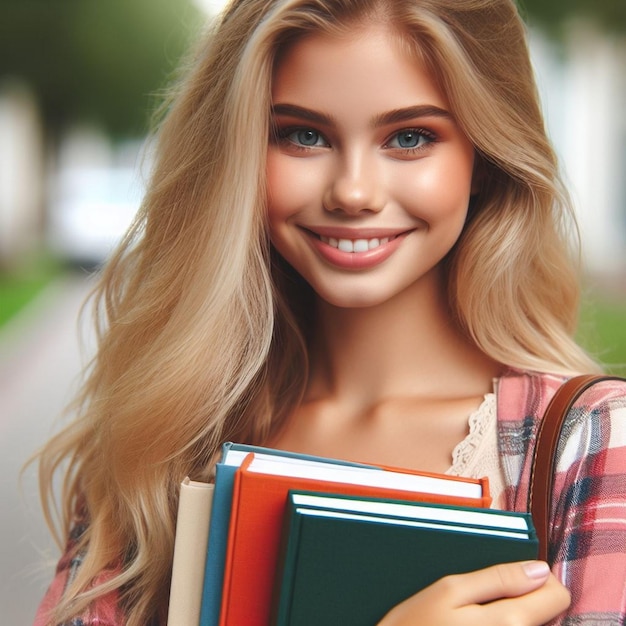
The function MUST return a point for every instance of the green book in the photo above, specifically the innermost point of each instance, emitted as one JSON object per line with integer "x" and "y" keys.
{"x": 349, "y": 560}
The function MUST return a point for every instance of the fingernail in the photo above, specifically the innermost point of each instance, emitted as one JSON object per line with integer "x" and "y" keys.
{"x": 536, "y": 569}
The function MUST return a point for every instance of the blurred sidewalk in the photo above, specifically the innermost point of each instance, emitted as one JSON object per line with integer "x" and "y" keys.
{"x": 40, "y": 360}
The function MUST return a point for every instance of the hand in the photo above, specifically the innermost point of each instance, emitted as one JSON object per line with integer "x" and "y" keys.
{"x": 519, "y": 594}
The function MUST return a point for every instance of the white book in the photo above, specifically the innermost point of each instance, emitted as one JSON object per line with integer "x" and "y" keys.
{"x": 373, "y": 477}
{"x": 190, "y": 548}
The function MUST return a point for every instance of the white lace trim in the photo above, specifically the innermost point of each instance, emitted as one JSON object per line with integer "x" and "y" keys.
{"x": 477, "y": 455}
{"x": 465, "y": 453}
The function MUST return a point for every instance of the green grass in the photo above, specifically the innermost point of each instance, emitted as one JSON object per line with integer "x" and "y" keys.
{"x": 22, "y": 284}
{"x": 603, "y": 331}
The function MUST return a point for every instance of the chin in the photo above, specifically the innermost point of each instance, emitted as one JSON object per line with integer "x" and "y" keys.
{"x": 359, "y": 299}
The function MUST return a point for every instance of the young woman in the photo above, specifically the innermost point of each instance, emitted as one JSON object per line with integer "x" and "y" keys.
{"x": 353, "y": 245}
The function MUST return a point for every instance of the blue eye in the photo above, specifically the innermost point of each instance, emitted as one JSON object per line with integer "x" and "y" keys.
{"x": 299, "y": 138}
{"x": 306, "y": 137}
{"x": 410, "y": 139}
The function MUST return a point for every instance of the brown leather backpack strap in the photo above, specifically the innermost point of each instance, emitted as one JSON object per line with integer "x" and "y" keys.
{"x": 542, "y": 470}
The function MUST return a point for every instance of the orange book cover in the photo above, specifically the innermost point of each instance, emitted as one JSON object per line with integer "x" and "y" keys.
{"x": 258, "y": 507}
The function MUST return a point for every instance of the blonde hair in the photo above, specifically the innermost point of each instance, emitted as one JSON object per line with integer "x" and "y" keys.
{"x": 203, "y": 331}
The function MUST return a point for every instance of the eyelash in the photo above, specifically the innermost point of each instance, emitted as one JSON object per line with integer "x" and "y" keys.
{"x": 280, "y": 135}
{"x": 422, "y": 133}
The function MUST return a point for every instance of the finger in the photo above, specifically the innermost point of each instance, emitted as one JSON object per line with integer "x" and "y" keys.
{"x": 438, "y": 604}
{"x": 506, "y": 580}
{"x": 537, "y": 607}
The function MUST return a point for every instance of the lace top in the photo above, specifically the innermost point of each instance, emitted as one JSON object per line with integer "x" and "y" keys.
{"x": 477, "y": 455}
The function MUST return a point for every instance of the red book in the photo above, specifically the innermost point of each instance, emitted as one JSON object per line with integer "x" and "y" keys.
{"x": 259, "y": 500}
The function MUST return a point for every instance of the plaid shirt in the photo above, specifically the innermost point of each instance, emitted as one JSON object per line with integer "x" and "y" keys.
{"x": 104, "y": 612}
{"x": 588, "y": 526}
{"x": 588, "y": 530}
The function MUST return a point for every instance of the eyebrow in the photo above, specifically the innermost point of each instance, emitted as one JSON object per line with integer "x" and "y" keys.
{"x": 293, "y": 110}
{"x": 391, "y": 117}
{"x": 410, "y": 113}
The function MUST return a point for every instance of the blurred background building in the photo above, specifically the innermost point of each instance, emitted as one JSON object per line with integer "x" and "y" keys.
{"x": 583, "y": 84}
{"x": 79, "y": 82}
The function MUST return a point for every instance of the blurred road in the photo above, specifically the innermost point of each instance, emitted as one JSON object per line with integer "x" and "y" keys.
{"x": 40, "y": 360}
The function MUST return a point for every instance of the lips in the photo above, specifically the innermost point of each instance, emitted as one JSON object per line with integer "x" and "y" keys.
{"x": 355, "y": 250}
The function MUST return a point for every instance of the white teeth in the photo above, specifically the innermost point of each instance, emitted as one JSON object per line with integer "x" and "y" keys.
{"x": 356, "y": 245}
{"x": 346, "y": 245}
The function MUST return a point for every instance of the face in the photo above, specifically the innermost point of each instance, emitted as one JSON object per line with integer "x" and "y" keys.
{"x": 369, "y": 177}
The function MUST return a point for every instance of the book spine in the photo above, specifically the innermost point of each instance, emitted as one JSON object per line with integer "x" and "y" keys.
{"x": 231, "y": 543}
{"x": 288, "y": 558}
{"x": 217, "y": 540}
{"x": 194, "y": 513}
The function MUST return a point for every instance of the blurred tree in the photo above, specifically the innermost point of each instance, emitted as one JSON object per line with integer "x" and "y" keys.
{"x": 610, "y": 14}
{"x": 95, "y": 60}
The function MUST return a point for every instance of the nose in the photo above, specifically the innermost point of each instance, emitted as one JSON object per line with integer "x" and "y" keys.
{"x": 355, "y": 185}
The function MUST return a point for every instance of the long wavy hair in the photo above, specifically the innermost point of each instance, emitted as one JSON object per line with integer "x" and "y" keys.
{"x": 203, "y": 332}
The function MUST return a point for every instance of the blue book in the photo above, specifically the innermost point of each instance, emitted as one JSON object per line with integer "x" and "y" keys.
{"x": 233, "y": 455}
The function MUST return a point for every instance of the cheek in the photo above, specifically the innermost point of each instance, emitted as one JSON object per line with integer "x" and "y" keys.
{"x": 278, "y": 194}
{"x": 437, "y": 190}
{"x": 283, "y": 203}
{"x": 293, "y": 185}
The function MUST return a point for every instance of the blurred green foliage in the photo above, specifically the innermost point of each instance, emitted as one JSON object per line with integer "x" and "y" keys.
{"x": 20, "y": 287}
{"x": 552, "y": 14}
{"x": 602, "y": 330}
{"x": 95, "y": 60}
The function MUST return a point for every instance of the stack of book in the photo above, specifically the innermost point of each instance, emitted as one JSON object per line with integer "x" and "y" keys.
{"x": 299, "y": 540}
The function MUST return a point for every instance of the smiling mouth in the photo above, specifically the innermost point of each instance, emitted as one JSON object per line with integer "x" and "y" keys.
{"x": 356, "y": 245}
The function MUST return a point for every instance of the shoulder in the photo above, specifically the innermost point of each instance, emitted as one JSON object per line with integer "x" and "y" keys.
{"x": 595, "y": 427}
{"x": 594, "y": 430}
{"x": 598, "y": 415}
{"x": 609, "y": 394}
{"x": 524, "y": 395}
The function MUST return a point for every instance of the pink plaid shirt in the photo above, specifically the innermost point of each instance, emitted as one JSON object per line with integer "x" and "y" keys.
{"x": 588, "y": 531}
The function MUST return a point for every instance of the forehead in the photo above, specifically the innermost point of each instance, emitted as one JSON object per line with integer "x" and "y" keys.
{"x": 368, "y": 64}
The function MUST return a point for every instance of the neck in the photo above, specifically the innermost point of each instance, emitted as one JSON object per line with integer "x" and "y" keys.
{"x": 407, "y": 346}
